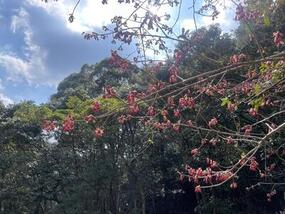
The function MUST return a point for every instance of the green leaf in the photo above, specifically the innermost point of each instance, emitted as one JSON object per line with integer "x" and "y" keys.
{"x": 257, "y": 102}
{"x": 266, "y": 20}
{"x": 150, "y": 141}
{"x": 257, "y": 89}
{"x": 111, "y": 104}
{"x": 263, "y": 67}
{"x": 225, "y": 101}
{"x": 31, "y": 113}
{"x": 73, "y": 102}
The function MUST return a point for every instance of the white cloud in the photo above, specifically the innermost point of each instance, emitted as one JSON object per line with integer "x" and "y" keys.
{"x": 91, "y": 14}
{"x": 188, "y": 24}
{"x": 60, "y": 9}
{"x": 3, "y": 98}
{"x": 16, "y": 67}
{"x": 20, "y": 20}
{"x": 1, "y": 85}
{"x": 88, "y": 15}
{"x": 225, "y": 17}
{"x": 29, "y": 67}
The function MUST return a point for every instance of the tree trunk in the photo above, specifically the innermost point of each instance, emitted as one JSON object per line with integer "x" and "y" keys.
{"x": 142, "y": 200}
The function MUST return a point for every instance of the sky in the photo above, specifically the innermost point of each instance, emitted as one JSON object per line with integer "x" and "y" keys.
{"x": 39, "y": 47}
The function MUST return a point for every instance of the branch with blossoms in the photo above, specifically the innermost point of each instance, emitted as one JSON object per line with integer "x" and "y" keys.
{"x": 150, "y": 30}
{"x": 213, "y": 177}
{"x": 161, "y": 90}
{"x": 238, "y": 106}
{"x": 170, "y": 116}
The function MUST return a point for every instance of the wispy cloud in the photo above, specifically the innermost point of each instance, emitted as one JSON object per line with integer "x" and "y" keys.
{"x": 225, "y": 18}
{"x": 30, "y": 66}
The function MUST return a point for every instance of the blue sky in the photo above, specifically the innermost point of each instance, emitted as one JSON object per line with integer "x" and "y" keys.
{"x": 38, "y": 47}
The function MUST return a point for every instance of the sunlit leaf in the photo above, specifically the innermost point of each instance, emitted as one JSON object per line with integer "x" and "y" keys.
{"x": 225, "y": 101}
{"x": 266, "y": 21}
{"x": 257, "y": 89}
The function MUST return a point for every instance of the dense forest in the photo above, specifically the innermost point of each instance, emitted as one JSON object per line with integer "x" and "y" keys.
{"x": 201, "y": 132}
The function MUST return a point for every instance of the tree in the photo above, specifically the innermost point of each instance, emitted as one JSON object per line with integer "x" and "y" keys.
{"x": 256, "y": 82}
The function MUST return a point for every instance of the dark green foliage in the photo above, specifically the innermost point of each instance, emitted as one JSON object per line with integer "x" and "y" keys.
{"x": 91, "y": 80}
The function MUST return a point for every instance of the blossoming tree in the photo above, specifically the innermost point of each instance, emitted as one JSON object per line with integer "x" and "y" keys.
{"x": 231, "y": 115}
